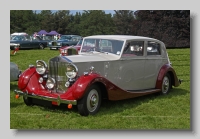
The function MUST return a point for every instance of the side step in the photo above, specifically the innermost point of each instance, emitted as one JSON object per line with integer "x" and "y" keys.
{"x": 144, "y": 91}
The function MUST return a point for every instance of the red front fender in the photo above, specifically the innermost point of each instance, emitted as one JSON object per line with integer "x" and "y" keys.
{"x": 25, "y": 77}
{"x": 83, "y": 82}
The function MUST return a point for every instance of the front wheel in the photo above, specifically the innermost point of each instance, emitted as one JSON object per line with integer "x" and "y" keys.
{"x": 166, "y": 84}
{"x": 91, "y": 101}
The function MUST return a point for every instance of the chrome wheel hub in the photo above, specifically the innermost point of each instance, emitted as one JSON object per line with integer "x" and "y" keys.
{"x": 165, "y": 84}
{"x": 92, "y": 100}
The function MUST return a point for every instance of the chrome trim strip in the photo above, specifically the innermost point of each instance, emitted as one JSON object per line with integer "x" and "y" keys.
{"x": 58, "y": 99}
{"x": 68, "y": 60}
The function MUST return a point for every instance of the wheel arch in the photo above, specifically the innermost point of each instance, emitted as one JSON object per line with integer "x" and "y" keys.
{"x": 167, "y": 68}
{"x": 102, "y": 88}
{"x": 172, "y": 78}
{"x": 84, "y": 82}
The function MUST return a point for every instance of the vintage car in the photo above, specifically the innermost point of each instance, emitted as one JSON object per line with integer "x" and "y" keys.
{"x": 70, "y": 50}
{"x": 113, "y": 67}
{"x": 27, "y": 42}
{"x": 64, "y": 50}
{"x": 14, "y": 71}
{"x": 65, "y": 40}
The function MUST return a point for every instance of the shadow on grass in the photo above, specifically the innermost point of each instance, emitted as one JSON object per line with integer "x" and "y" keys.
{"x": 108, "y": 107}
{"x": 16, "y": 104}
{"x": 58, "y": 109}
{"x": 13, "y": 85}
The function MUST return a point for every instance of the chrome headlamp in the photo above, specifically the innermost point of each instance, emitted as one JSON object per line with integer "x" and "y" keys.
{"x": 72, "y": 71}
{"x": 41, "y": 67}
{"x": 50, "y": 83}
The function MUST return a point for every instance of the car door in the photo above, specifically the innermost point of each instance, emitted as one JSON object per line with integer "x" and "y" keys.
{"x": 131, "y": 69}
{"x": 153, "y": 63}
{"x": 35, "y": 42}
{"x": 25, "y": 42}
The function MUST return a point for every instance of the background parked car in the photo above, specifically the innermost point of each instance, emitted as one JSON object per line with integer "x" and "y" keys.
{"x": 14, "y": 71}
{"x": 64, "y": 49}
{"x": 28, "y": 42}
{"x": 65, "y": 40}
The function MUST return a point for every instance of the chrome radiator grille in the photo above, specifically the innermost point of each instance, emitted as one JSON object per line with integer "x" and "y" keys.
{"x": 57, "y": 71}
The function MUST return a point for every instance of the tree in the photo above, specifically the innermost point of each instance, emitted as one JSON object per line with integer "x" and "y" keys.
{"x": 61, "y": 21}
{"x": 96, "y": 22}
{"x": 45, "y": 18}
{"x": 170, "y": 26}
{"x": 74, "y": 24}
{"x": 123, "y": 20}
{"x": 22, "y": 21}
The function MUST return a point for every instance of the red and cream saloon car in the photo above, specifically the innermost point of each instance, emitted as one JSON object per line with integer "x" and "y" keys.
{"x": 112, "y": 67}
{"x": 69, "y": 50}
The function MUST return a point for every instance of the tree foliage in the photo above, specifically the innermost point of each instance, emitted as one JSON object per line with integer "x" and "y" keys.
{"x": 123, "y": 20}
{"x": 170, "y": 26}
{"x": 96, "y": 22}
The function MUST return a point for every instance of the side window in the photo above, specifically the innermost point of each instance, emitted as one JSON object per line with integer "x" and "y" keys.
{"x": 134, "y": 48}
{"x": 74, "y": 39}
{"x": 78, "y": 38}
{"x": 153, "y": 48}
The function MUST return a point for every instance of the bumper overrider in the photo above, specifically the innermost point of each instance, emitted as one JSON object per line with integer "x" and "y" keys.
{"x": 58, "y": 100}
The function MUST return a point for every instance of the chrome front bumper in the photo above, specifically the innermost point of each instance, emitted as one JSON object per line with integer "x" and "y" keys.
{"x": 58, "y": 99}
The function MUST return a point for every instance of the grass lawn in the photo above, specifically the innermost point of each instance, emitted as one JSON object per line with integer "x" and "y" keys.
{"x": 147, "y": 112}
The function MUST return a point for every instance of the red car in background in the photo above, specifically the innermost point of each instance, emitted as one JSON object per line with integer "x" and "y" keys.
{"x": 64, "y": 49}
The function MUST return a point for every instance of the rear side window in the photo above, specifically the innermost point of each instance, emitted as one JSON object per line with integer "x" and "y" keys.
{"x": 134, "y": 48}
{"x": 153, "y": 48}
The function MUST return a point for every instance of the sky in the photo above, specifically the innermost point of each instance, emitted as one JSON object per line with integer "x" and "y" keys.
{"x": 74, "y": 11}
{"x": 106, "y": 11}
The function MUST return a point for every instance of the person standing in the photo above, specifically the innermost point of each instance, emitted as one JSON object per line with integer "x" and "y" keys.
{"x": 55, "y": 37}
{"x": 58, "y": 36}
{"x": 34, "y": 35}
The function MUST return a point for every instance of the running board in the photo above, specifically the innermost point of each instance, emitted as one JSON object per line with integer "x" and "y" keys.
{"x": 126, "y": 94}
{"x": 144, "y": 91}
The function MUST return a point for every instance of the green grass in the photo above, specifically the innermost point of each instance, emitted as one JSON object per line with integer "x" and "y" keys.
{"x": 167, "y": 112}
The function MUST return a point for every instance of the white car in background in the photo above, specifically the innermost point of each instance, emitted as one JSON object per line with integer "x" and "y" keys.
{"x": 14, "y": 72}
